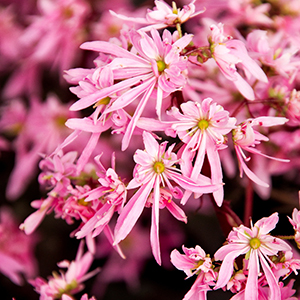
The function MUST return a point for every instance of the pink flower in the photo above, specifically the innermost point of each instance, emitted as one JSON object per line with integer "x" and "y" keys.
{"x": 38, "y": 131}
{"x": 56, "y": 172}
{"x": 154, "y": 167}
{"x": 110, "y": 197}
{"x": 257, "y": 244}
{"x": 69, "y": 282}
{"x": 53, "y": 36}
{"x": 163, "y": 15}
{"x": 246, "y": 138}
{"x": 153, "y": 67}
{"x": 227, "y": 54}
{"x": 195, "y": 261}
{"x": 202, "y": 128}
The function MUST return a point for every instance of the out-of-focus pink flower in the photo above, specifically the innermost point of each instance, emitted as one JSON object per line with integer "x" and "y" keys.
{"x": 37, "y": 131}
{"x": 163, "y": 15}
{"x": 245, "y": 137}
{"x": 16, "y": 249}
{"x": 275, "y": 51}
{"x": 257, "y": 244}
{"x": 202, "y": 127}
{"x": 53, "y": 37}
{"x": 154, "y": 167}
{"x": 244, "y": 10}
{"x": 69, "y": 282}
{"x": 10, "y": 32}
{"x": 227, "y": 54}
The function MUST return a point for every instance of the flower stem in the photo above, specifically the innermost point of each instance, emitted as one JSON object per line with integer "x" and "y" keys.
{"x": 248, "y": 210}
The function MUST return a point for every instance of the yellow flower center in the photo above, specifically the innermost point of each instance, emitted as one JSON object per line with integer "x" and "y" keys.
{"x": 203, "y": 124}
{"x": 103, "y": 101}
{"x": 60, "y": 121}
{"x": 161, "y": 65}
{"x": 255, "y": 243}
{"x": 158, "y": 167}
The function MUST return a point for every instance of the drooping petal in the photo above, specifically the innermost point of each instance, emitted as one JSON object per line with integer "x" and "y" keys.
{"x": 275, "y": 293}
{"x": 232, "y": 252}
{"x": 154, "y": 234}
{"x": 251, "y": 289}
{"x": 131, "y": 211}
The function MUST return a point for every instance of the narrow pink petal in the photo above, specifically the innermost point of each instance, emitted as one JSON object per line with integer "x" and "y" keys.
{"x": 110, "y": 48}
{"x": 132, "y": 94}
{"x": 181, "y": 261}
{"x": 88, "y": 125}
{"x": 108, "y": 233}
{"x": 275, "y": 293}
{"x": 34, "y": 220}
{"x": 91, "y": 99}
{"x": 130, "y": 19}
{"x": 251, "y": 290}
{"x": 248, "y": 172}
{"x": 154, "y": 233}
{"x": 176, "y": 211}
{"x": 151, "y": 144}
{"x": 190, "y": 185}
{"x": 138, "y": 111}
{"x": 87, "y": 152}
{"x": 131, "y": 211}
{"x": 227, "y": 265}
{"x": 216, "y": 169}
{"x": 243, "y": 86}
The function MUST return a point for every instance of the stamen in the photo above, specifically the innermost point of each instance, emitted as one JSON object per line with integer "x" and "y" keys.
{"x": 254, "y": 243}
{"x": 158, "y": 167}
{"x": 161, "y": 65}
{"x": 203, "y": 124}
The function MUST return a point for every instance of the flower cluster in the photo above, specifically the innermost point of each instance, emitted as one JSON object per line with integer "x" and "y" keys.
{"x": 174, "y": 113}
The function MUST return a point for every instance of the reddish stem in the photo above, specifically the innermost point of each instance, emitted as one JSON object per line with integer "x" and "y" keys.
{"x": 248, "y": 210}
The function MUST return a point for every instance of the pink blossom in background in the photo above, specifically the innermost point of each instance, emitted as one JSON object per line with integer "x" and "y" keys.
{"x": 16, "y": 249}
{"x": 49, "y": 118}
{"x": 69, "y": 282}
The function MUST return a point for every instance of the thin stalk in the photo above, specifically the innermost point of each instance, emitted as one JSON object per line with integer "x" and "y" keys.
{"x": 248, "y": 210}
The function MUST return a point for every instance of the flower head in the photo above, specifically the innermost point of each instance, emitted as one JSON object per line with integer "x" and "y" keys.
{"x": 202, "y": 128}
{"x": 66, "y": 283}
{"x": 227, "y": 54}
{"x": 155, "y": 167}
{"x": 153, "y": 67}
{"x": 257, "y": 245}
